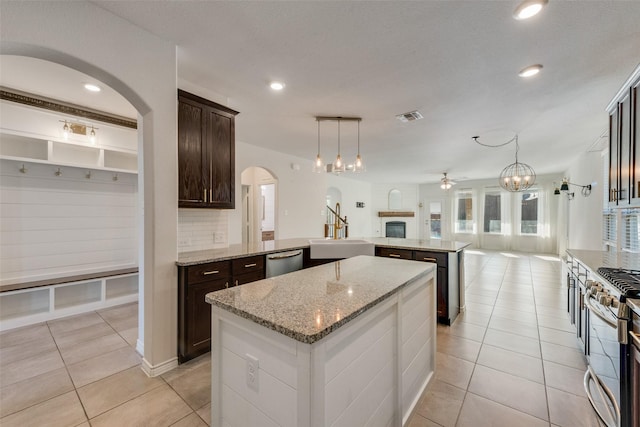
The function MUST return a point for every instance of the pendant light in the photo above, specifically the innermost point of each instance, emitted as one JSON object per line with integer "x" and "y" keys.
{"x": 517, "y": 176}
{"x": 338, "y": 164}
{"x": 318, "y": 165}
{"x": 358, "y": 166}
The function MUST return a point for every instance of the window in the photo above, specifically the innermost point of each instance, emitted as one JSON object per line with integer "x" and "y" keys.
{"x": 435, "y": 220}
{"x": 464, "y": 212}
{"x": 631, "y": 230}
{"x": 609, "y": 228}
{"x": 492, "y": 213}
{"x": 529, "y": 212}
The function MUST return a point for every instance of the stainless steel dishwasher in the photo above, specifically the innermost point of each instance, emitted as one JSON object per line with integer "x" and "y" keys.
{"x": 284, "y": 262}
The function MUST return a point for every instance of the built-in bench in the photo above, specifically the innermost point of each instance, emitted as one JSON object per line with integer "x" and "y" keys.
{"x": 26, "y": 303}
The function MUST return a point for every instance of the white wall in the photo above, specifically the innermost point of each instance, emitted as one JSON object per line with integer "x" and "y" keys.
{"x": 380, "y": 202}
{"x": 142, "y": 68}
{"x": 585, "y": 213}
{"x": 353, "y": 191}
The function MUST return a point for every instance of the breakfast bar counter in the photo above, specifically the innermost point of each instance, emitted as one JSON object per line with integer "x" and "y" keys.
{"x": 338, "y": 344}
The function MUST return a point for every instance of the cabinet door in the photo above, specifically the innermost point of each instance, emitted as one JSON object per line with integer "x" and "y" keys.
{"x": 624, "y": 116}
{"x": 635, "y": 145}
{"x": 221, "y": 145}
{"x": 192, "y": 163}
{"x": 613, "y": 157}
{"x": 198, "y": 312}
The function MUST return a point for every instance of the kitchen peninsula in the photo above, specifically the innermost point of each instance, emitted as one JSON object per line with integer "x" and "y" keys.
{"x": 338, "y": 344}
{"x": 201, "y": 272}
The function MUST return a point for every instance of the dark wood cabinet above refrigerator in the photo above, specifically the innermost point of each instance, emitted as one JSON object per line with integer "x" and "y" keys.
{"x": 206, "y": 153}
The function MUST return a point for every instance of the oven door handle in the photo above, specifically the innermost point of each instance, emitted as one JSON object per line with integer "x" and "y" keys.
{"x": 602, "y": 387}
{"x": 592, "y": 308}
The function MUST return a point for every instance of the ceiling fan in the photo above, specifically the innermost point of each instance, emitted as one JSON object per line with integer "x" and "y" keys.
{"x": 446, "y": 183}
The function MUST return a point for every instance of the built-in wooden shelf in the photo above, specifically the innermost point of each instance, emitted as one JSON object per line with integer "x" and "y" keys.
{"x": 396, "y": 214}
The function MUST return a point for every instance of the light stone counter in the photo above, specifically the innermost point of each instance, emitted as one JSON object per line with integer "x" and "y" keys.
{"x": 262, "y": 248}
{"x": 309, "y": 304}
{"x": 419, "y": 244}
{"x": 240, "y": 251}
{"x": 596, "y": 259}
{"x": 347, "y": 343}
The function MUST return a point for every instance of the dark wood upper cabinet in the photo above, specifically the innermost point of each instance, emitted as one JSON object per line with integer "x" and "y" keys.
{"x": 624, "y": 145}
{"x": 206, "y": 153}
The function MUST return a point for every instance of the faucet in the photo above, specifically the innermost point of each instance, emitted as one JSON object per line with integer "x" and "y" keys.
{"x": 336, "y": 223}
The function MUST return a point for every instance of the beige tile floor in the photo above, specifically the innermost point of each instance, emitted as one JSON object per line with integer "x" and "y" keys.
{"x": 510, "y": 360}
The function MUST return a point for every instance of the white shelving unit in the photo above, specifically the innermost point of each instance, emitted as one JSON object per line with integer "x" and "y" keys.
{"x": 21, "y": 148}
{"x": 33, "y": 305}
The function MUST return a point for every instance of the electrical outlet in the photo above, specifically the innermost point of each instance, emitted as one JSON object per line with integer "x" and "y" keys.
{"x": 253, "y": 367}
{"x": 219, "y": 237}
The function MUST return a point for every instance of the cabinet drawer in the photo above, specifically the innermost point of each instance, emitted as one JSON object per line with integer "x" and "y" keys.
{"x": 209, "y": 271}
{"x": 247, "y": 265}
{"x": 394, "y": 253}
{"x": 439, "y": 258}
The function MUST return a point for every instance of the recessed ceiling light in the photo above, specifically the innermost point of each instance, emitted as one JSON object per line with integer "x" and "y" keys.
{"x": 277, "y": 85}
{"x": 529, "y": 8}
{"x": 530, "y": 71}
{"x": 92, "y": 88}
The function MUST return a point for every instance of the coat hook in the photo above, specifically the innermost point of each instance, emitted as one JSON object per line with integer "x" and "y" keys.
{"x": 88, "y": 175}
{"x": 115, "y": 177}
{"x": 58, "y": 172}
{"x": 23, "y": 169}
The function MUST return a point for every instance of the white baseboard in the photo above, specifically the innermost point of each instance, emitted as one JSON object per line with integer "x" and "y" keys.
{"x": 159, "y": 369}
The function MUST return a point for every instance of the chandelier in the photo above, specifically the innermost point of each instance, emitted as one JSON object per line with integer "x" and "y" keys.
{"x": 517, "y": 176}
{"x": 338, "y": 166}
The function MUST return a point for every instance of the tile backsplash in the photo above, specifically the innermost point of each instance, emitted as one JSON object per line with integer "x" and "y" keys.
{"x": 201, "y": 229}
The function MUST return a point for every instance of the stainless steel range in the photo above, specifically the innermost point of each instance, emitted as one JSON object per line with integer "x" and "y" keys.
{"x": 607, "y": 380}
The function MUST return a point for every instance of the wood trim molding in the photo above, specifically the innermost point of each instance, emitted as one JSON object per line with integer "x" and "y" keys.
{"x": 396, "y": 214}
{"x": 62, "y": 107}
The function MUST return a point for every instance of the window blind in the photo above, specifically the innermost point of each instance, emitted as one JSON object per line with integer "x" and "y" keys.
{"x": 631, "y": 229}
{"x": 609, "y": 227}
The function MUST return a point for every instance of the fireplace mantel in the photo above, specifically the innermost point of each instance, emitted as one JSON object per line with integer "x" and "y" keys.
{"x": 396, "y": 214}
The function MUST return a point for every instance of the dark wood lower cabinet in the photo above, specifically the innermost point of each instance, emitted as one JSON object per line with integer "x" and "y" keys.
{"x": 448, "y": 298}
{"x": 194, "y": 313}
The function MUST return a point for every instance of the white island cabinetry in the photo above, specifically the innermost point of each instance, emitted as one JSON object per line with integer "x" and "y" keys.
{"x": 350, "y": 343}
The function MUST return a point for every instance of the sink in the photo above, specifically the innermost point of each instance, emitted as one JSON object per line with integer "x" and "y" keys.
{"x": 340, "y": 248}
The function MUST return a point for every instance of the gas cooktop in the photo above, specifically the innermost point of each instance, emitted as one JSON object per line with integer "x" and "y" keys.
{"x": 625, "y": 281}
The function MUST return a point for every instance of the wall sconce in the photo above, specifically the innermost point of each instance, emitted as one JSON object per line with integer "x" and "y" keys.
{"x": 78, "y": 129}
{"x": 585, "y": 190}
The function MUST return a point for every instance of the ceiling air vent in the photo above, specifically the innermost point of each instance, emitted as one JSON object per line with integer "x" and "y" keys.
{"x": 410, "y": 116}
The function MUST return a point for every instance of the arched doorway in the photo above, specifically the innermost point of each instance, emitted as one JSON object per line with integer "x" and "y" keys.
{"x": 259, "y": 205}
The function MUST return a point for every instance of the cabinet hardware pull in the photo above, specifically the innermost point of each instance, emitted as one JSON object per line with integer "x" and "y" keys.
{"x": 210, "y": 195}
{"x": 250, "y": 265}
{"x": 204, "y": 196}
{"x": 430, "y": 259}
{"x": 236, "y": 282}
{"x": 206, "y": 273}
{"x": 394, "y": 255}
{"x": 284, "y": 255}
{"x": 226, "y": 285}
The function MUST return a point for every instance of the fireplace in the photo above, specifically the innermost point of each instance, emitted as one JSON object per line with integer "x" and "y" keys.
{"x": 395, "y": 229}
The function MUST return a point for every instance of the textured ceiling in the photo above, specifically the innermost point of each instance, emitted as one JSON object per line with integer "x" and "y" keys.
{"x": 456, "y": 62}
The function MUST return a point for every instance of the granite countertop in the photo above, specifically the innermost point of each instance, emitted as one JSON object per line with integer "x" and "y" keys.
{"x": 419, "y": 244}
{"x": 240, "y": 251}
{"x": 596, "y": 259}
{"x": 263, "y": 248}
{"x": 307, "y": 305}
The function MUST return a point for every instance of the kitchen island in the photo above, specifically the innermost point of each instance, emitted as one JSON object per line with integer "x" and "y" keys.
{"x": 344, "y": 343}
